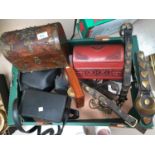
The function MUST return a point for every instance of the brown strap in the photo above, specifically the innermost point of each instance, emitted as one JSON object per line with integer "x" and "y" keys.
{"x": 126, "y": 33}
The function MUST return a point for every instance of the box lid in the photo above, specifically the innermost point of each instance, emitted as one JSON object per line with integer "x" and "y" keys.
{"x": 98, "y": 56}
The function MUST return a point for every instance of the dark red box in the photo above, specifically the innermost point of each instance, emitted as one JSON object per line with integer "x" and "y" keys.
{"x": 99, "y": 61}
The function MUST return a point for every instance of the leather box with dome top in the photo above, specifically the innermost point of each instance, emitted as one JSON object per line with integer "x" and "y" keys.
{"x": 35, "y": 48}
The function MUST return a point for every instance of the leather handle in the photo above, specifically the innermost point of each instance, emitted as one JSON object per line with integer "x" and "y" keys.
{"x": 75, "y": 84}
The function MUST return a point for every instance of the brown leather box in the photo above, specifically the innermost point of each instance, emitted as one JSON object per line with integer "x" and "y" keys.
{"x": 35, "y": 48}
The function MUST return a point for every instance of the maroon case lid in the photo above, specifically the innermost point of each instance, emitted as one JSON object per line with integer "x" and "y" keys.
{"x": 98, "y": 56}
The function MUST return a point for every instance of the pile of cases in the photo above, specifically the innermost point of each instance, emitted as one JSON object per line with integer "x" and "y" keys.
{"x": 80, "y": 82}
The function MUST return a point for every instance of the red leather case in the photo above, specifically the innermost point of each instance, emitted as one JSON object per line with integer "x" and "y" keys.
{"x": 99, "y": 61}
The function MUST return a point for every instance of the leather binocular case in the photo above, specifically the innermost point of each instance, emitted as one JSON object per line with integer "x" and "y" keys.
{"x": 145, "y": 102}
{"x": 44, "y": 106}
{"x": 40, "y": 48}
{"x": 104, "y": 62}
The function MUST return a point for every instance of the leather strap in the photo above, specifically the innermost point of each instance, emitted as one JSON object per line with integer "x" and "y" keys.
{"x": 103, "y": 89}
{"x": 128, "y": 119}
{"x": 126, "y": 33}
{"x": 18, "y": 121}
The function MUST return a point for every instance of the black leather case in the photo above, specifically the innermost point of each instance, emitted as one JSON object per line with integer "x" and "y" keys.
{"x": 41, "y": 80}
{"x": 43, "y": 105}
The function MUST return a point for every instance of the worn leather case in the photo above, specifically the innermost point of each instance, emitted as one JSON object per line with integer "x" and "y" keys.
{"x": 44, "y": 106}
{"x": 35, "y": 48}
{"x": 99, "y": 61}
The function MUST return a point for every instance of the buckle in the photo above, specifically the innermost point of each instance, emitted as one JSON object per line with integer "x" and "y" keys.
{"x": 130, "y": 124}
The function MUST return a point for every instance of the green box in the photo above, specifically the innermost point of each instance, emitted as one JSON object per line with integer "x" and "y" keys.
{"x": 92, "y": 122}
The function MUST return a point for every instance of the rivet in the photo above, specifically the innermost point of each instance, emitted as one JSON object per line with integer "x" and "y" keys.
{"x": 142, "y": 65}
{"x": 37, "y": 60}
{"x": 128, "y": 62}
{"x": 147, "y": 101}
{"x": 145, "y": 83}
{"x": 144, "y": 74}
{"x": 141, "y": 55}
{"x": 128, "y": 54}
{"x": 127, "y": 70}
{"x": 129, "y": 47}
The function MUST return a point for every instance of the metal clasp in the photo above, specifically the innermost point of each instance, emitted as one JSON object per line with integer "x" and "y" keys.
{"x": 37, "y": 60}
{"x": 132, "y": 125}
